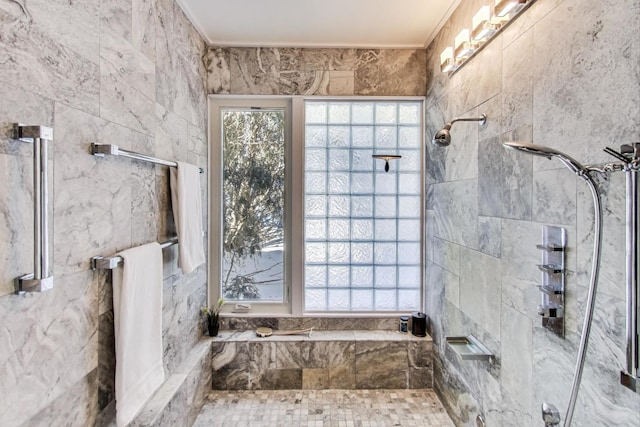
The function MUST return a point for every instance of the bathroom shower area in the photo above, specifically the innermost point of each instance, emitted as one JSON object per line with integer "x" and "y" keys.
{"x": 492, "y": 208}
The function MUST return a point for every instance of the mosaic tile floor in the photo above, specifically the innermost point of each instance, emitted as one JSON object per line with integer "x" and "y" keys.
{"x": 322, "y": 408}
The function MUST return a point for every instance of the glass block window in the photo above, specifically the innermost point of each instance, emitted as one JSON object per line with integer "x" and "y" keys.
{"x": 362, "y": 225}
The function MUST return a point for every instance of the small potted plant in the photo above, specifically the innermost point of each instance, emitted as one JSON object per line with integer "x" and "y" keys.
{"x": 213, "y": 317}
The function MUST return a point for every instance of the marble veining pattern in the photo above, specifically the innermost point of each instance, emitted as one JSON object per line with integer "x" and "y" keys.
{"x": 327, "y": 359}
{"x": 33, "y": 363}
{"x": 33, "y": 60}
{"x": 295, "y": 71}
{"x": 123, "y": 72}
{"x": 565, "y": 75}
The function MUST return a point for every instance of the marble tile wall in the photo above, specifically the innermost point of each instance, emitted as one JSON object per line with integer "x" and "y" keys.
{"x": 565, "y": 74}
{"x": 128, "y": 72}
{"x": 179, "y": 400}
{"x": 317, "y": 323}
{"x": 343, "y": 359}
{"x": 295, "y": 71}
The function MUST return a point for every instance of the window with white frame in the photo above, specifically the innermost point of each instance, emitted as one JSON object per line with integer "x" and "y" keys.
{"x": 314, "y": 224}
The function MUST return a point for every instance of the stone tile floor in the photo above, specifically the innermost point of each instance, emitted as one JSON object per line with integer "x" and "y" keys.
{"x": 348, "y": 408}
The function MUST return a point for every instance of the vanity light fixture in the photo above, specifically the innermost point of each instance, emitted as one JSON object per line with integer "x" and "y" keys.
{"x": 463, "y": 46}
{"x": 447, "y": 61}
{"x": 386, "y": 158}
{"x": 506, "y": 7}
{"x": 485, "y": 27}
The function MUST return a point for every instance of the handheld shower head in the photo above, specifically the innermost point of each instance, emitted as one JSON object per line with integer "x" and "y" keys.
{"x": 540, "y": 150}
{"x": 442, "y": 138}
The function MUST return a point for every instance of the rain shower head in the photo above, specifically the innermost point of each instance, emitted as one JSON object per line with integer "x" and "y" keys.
{"x": 442, "y": 138}
{"x": 541, "y": 150}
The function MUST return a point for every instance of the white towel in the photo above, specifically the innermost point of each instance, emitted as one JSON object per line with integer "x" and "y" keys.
{"x": 137, "y": 306}
{"x": 187, "y": 213}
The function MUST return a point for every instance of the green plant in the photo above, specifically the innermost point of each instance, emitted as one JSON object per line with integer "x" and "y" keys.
{"x": 215, "y": 310}
{"x": 213, "y": 317}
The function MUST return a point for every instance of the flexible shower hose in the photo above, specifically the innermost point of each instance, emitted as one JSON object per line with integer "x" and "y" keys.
{"x": 591, "y": 299}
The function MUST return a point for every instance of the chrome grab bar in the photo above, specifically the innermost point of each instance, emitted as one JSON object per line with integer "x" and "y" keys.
{"x": 101, "y": 150}
{"x": 109, "y": 263}
{"x": 630, "y": 376}
{"x": 39, "y": 280}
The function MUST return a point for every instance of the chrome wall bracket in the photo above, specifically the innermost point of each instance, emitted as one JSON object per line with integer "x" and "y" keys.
{"x": 40, "y": 280}
{"x": 551, "y": 308}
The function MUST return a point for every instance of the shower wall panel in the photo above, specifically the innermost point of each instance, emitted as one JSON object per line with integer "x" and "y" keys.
{"x": 129, "y": 73}
{"x": 564, "y": 74}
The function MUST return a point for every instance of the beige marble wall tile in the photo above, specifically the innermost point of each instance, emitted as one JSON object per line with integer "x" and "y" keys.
{"x": 50, "y": 342}
{"x": 87, "y": 181}
{"x": 489, "y": 236}
{"x": 34, "y": 61}
{"x": 480, "y": 282}
{"x": 390, "y": 72}
{"x": 381, "y": 365}
{"x": 318, "y": 59}
{"x": 164, "y": 17}
{"x": 304, "y": 82}
{"x": 296, "y": 71}
{"x": 77, "y": 406}
{"x": 517, "y": 82}
{"x": 254, "y": 71}
{"x": 143, "y": 27}
{"x": 53, "y": 53}
{"x": 190, "y": 100}
{"x": 456, "y": 211}
{"x": 517, "y": 371}
{"x": 172, "y": 135}
{"x": 216, "y": 62}
{"x": 127, "y": 84}
{"x": 387, "y": 359}
{"x": 554, "y": 197}
{"x": 586, "y": 82}
{"x": 551, "y": 78}
{"x": 341, "y": 82}
{"x": 183, "y": 297}
{"x": 612, "y": 279}
{"x": 116, "y": 17}
{"x": 73, "y": 25}
{"x": 16, "y": 222}
{"x": 315, "y": 379}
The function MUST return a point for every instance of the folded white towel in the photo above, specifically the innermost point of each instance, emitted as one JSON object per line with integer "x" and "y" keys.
{"x": 187, "y": 213}
{"x": 137, "y": 307}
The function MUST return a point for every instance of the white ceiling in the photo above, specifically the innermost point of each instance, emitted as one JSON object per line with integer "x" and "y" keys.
{"x": 319, "y": 23}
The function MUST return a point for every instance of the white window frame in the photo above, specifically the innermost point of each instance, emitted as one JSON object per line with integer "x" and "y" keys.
{"x": 294, "y": 203}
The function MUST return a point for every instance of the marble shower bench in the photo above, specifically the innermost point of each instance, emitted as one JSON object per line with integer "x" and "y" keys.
{"x": 329, "y": 359}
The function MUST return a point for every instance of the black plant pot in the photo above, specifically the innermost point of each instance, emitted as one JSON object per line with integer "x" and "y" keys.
{"x": 213, "y": 324}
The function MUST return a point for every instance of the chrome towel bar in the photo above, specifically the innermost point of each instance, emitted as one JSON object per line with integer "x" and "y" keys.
{"x": 101, "y": 150}
{"x": 109, "y": 263}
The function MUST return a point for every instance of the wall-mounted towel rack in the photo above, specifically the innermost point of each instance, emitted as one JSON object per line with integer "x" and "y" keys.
{"x": 109, "y": 263}
{"x": 101, "y": 150}
{"x": 39, "y": 280}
